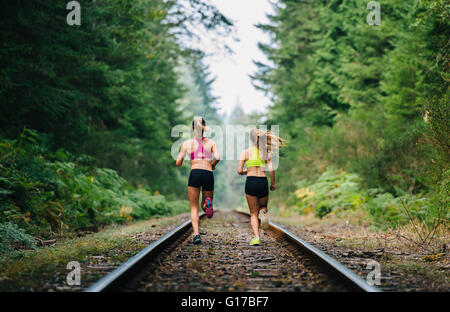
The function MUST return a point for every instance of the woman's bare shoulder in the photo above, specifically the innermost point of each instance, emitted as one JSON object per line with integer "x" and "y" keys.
{"x": 209, "y": 143}
{"x": 187, "y": 145}
{"x": 244, "y": 155}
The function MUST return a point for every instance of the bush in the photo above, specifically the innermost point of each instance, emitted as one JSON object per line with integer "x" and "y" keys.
{"x": 11, "y": 236}
{"x": 335, "y": 191}
{"x": 393, "y": 211}
{"x": 43, "y": 193}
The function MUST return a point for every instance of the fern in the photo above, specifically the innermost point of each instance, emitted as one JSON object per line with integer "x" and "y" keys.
{"x": 11, "y": 235}
{"x": 335, "y": 191}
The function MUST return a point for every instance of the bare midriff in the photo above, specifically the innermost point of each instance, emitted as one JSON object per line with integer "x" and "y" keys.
{"x": 204, "y": 164}
{"x": 256, "y": 172}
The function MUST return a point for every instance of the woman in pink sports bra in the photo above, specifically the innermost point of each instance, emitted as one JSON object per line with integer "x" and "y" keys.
{"x": 200, "y": 150}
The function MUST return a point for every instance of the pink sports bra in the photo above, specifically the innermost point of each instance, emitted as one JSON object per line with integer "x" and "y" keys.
{"x": 200, "y": 150}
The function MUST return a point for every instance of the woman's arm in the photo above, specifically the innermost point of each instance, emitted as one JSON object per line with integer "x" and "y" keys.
{"x": 181, "y": 156}
{"x": 216, "y": 154}
{"x": 242, "y": 159}
{"x": 271, "y": 174}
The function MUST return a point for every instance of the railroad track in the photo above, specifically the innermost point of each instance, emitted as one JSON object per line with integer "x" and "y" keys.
{"x": 225, "y": 262}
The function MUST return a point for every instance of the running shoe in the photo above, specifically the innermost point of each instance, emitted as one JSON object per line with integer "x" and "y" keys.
{"x": 264, "y": 214}
{"x": 255, "y": 242}
{"x": 209, "y": 207}
{"x": 196, "y": 239}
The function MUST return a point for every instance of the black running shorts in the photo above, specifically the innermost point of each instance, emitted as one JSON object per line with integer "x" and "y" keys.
{"x": 200, "y": 178}
{"x": 257, "y": 186}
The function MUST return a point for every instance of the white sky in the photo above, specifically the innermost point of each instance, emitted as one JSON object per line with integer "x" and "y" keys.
{"x": 232, "y": 71}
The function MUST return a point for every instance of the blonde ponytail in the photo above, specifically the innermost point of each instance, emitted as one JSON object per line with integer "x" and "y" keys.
{"x": 266, "y": 141}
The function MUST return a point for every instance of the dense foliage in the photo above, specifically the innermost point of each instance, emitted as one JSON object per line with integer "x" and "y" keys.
{"x": 370, "y": 100}
{"x": 46, "y": 193}
{"x": 337, "y": 191}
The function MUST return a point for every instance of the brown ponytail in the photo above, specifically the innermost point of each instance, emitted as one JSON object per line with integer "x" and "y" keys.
{"x": 199, "y": 124}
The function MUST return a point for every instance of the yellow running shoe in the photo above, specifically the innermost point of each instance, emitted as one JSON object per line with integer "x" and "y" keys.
{"x": 255, "y": 242}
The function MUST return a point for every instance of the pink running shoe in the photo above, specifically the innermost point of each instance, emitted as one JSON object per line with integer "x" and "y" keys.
{"x": 209, "y": 207}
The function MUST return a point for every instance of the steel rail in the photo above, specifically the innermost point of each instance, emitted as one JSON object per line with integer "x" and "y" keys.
{"x": 325, "y": 260}
{"x": 125, "y": 271}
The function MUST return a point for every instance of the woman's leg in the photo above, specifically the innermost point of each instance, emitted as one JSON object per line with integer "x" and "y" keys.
{"x": 263, "y": 208}
{"x": 193, "y": 195}
{"x": 208, "y": 191}
{"x": 206, "y": 194}
{"x": 253, "y": 205}
{"x": 263, "y": 203}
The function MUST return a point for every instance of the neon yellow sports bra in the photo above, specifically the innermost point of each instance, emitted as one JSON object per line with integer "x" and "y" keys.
{"x": 255, "y": 161}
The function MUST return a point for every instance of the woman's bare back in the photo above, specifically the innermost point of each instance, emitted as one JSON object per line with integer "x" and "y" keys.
{"x": 202, "y": 157}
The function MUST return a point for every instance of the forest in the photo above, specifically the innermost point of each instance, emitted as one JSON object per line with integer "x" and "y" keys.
{"x": 87, "y": 112}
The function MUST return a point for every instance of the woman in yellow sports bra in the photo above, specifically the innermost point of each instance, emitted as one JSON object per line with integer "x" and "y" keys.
{"x": 257, "y": 161}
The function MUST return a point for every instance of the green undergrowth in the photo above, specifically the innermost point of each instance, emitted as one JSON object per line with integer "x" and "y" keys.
{"x": 30, "y": 269}
{"x": 47, "y": 195}
{"x": 336, "y": 191}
